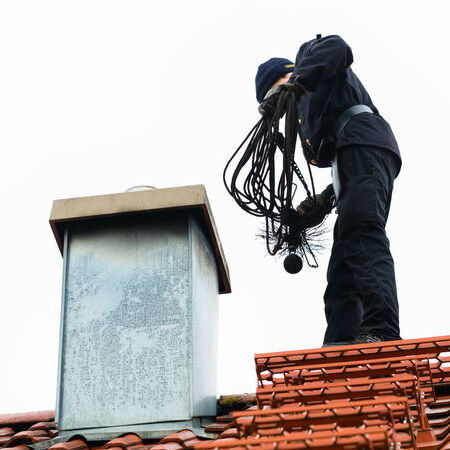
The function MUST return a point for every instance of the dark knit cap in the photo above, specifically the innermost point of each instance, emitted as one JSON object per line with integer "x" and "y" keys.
{"x": 269, "y": 73}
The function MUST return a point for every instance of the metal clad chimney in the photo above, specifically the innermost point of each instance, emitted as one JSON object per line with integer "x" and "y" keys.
{"x": 138, "y": 342}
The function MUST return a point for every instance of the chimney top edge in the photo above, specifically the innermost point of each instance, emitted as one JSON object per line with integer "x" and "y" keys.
{"x": 66, "y": 211}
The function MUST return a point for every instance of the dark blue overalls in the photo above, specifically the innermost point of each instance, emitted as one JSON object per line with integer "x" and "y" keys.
{"x": 361, "y": 293}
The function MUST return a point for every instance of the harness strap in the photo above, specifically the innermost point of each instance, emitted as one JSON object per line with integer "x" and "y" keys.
{"x": 342, "y": 120}
{"x": 346, "y": 116}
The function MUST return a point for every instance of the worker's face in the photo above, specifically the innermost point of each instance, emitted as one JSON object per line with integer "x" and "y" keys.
{"x": 283, "y": 79}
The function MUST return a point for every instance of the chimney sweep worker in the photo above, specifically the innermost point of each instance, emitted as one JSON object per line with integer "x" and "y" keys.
{"x": 339, "y": 127}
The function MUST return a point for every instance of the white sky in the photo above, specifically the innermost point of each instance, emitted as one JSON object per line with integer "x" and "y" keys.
{"x": 97, "y": 96}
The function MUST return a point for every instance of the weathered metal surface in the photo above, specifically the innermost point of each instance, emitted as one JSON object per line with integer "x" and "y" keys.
{"x": 187, "y": 198}
{"x": 138, "y": 300}
{"x": 205, "y": 308}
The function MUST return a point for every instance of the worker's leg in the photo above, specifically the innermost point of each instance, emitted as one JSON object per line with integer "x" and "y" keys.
{"x": 367, "y": 175}
{"x": 343, "y": 301}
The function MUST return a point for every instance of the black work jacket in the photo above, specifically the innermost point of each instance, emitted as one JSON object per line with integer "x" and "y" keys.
{"x": 322, "y": 67}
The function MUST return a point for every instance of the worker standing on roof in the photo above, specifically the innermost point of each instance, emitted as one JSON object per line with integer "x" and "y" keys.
{"x": 340, "y": 127}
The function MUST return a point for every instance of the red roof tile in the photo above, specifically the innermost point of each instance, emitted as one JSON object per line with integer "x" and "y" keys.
{"x": 217, "y": 427}
{"x": 5, "y": 435}
{"x": 43, "y": 426}
{"x": 168, "y": 446}
{"x": 181, "y": 436}
{"x": 125, "y": 441}
{"x": 18, "y": 447}
{"x": 76, "y": 444}
{"x": 379, "y": 395}
{"x": 29, "y": 437}
{"x": 30, "y": 417}
{"x": 6, "y": 431}
{"x": 186, "y": 438}
{"x": 229, "y": 433}
{"x": 52, "y": 433}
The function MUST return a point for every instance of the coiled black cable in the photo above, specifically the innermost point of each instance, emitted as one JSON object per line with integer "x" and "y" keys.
{"x": 259, "y": 190}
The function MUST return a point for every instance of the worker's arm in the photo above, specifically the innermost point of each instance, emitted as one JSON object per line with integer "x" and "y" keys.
{"x": 319, "y": 60}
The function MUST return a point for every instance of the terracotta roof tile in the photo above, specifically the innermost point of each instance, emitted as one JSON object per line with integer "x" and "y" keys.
{"x": 218, "y": 427}
{"x": 4, "y": 440}
{"x": 6, "y": 431}
{"x": 224, "y": 419}
{"x": 76, "y": 444}
{"x": 373, "y": 395}
{"x": 18, "y": 447}
{"x": 23, "y": 418}
{"x": 141, "y": 447}
{"x": 52, "y": 433}
{"x": 168, "y": 446}
{"x": 125, "y": 441}
{"x": 230, "y": 433}
{"x": 186, "y": 438}
{"x": 43, "y": 426}
{"x": 180, "y": 437}
{"x": 191, "y": 444}
{"x": 29, "y": 437}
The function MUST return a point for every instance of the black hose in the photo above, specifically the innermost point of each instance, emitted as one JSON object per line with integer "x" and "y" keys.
{"x": 264, "y": 190}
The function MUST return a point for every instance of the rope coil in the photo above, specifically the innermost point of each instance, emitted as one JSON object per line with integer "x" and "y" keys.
{"x": 262, "y": 189}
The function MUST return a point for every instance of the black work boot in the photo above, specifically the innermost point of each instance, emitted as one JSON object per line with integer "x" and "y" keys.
{"x": 367, "y": 338}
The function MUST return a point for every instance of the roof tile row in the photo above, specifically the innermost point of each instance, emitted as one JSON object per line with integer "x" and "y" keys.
{"x": 380, "y": 396}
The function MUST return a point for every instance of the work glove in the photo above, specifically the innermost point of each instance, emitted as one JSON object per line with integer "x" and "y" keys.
{"x": 269, "y": 104}
{"x": 312, "y": 211}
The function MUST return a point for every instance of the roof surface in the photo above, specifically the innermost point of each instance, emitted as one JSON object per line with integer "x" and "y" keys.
{"x": 376, "y": 396}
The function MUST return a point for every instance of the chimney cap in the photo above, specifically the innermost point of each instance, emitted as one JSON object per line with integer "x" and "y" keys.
{"x": 70, "y": 210}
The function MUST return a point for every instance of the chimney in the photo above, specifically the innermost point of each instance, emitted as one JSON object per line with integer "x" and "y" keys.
{"x": 139, "y": 315}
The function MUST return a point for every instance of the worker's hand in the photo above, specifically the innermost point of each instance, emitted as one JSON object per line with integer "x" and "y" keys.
{"x": 310, "y": 215}
{"x": 269, "y": 104}
{"x": 313, "y": 211}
